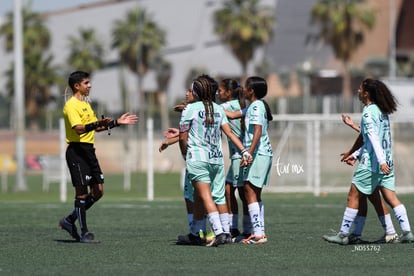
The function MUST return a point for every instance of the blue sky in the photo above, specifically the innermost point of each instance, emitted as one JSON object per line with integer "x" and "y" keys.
{"x": 43, "y": 5}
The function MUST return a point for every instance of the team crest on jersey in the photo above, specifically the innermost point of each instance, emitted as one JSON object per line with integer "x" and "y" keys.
{"x": 184, "y": 127}
{"x": 201, "y": 114}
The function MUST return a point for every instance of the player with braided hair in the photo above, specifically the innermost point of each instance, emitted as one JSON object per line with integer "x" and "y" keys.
{"x": 172, "y": 135}
{"x": 201, "y": 124}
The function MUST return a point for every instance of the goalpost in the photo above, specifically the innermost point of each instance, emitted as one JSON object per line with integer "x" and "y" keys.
{"x": 306, "y": 154}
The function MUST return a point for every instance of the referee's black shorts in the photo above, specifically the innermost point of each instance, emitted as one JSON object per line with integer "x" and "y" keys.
{"x": 83, "y": 165}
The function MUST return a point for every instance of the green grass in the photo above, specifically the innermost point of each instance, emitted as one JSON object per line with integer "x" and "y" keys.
{"x": 138, "y": 237}
{"x": 166, "y": 186}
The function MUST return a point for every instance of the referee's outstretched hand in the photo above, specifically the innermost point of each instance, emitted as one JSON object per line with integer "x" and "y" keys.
{"x": 127, "y": 119}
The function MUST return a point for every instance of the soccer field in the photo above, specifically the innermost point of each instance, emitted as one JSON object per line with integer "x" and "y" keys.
{"x": 138, "y": 238}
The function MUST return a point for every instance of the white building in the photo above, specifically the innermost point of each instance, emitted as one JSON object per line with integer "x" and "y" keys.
{"x": 190, "y": 42}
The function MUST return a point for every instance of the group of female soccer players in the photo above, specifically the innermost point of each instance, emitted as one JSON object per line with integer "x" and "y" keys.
{"x": 208, "y": 192}
{"x": 211, "y": 108}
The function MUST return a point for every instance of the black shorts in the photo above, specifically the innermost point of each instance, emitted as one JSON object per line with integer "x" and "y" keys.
{"x": 83, "y": 165}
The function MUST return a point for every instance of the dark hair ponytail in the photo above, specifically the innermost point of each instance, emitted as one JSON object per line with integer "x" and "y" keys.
{"x": 269, "y": 115}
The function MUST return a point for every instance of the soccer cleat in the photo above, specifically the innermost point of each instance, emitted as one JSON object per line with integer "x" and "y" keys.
{"x": 354, "y": 239}
{"x": 234, "y": 232}
{"x": 240, "y": 238}
{"x": 88, "y": 238}
{"x": 218, "y": 240}
{"x": 389, "y": 238}
{"x": 189, "y": 239}
{"x": 229, "y": 238}
{"x": 209, "y": 237}
{"x": 255, "y": 240}
{"x": 407, "y": 237}
{"x": 339, "y": 238}
{"x": 70, "y": 228}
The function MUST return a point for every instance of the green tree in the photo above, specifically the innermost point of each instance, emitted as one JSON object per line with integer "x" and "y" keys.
{"x": 244, "y": 26}
{"x": 39, "y": 73}
{"x": 138, "y": 36}
{"x": 163, "y": 72}
{"x": 86, "y": 51}
{"x": 342, "y": 26}
{"x": 139, "y": 41}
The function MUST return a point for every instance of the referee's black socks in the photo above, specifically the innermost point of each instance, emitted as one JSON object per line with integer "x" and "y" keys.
{"x": 80, "y": 205}
{"x": 89, "y": 201}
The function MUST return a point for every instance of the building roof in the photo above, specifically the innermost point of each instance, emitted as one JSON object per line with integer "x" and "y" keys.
{"x": 290, "y": 47}
{"x": 191, "y": 41}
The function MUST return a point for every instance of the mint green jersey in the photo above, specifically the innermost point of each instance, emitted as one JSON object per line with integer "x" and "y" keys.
{"x": 256, "y": 115}
{"x": 204, "y": 142}
{"x": 376, "y": 132}
{"x": 235, "y": 126}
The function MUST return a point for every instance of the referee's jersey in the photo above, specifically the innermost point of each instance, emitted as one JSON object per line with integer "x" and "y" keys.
{"x": 76, "y": 112}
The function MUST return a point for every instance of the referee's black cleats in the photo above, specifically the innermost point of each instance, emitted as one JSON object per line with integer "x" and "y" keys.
{"x": 88, "y": 238}
{"x": 70, "y": 228}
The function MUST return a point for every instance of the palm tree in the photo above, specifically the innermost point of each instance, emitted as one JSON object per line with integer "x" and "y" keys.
{"x": 244, "y": 26}
{"x": 138, "y": 36}
{"x": 342, "y": 26}
{"x": 86, "y": 51}
{"x": 39, "y": 72}
{"x": 36, "y": 36}
{"x": 192, "y": 74}
{"x": 162, "y": 69}
{"x": 139, "y": 40}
